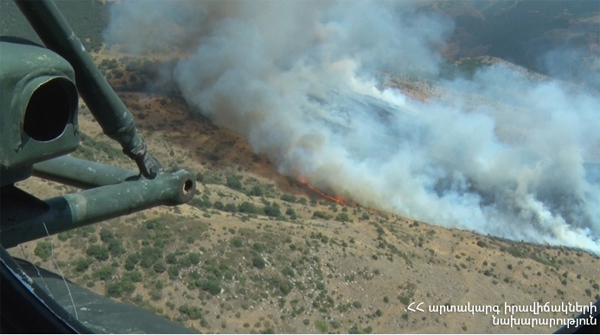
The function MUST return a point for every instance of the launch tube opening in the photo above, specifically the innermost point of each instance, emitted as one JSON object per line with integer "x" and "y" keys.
{"x": 49, "y": 109}
{"x": 188, "y": 186}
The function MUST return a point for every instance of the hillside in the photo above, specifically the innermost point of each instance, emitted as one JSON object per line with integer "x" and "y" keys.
{"x": 255, "y": 251}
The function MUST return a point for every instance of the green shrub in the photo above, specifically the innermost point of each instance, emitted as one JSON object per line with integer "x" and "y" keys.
{"x": 246, "y": 207}
{"x": 134, "y": 276}
{"x": 218, "y": 205}
{"x": 114, "y": 290}
{"x": 43, "y": 250}
{"x": 173, "y": 271}
{"x": 256, "y": 191}
{"x": 288, "y": 198}
{"x": 272, "y": 211}
{"x": 104, "y": 272}
{"x": 149, "y": 256}
{"x": 160, "y": 267}
{"x": 259, "y": 247}
{"x": 237, "y": 242}
{"x": 287, "y": 271}
{"x": 230, "y": 208}
{"x": 285, "y": 287}
{"x": 192, "y": 312}
{"x": 320, "y": 215}
{"x": 131, "y": 261}
{"x": 404, "y": 299}
{"x": 258, "y": 262}
{"x": 106, "y": 235}
{"x": 99, "y": 252}
{"x": 234, "y": 183}
{"x": 321, "y": 326}
{"x": 212, "y": 286}
{"x": 342, "y": 217}
{"x": 82, "y": 264}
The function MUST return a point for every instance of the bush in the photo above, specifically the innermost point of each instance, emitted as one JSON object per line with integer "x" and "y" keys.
{"x": 234, "y": 183}
{"x": 405, "y": 300}
{"x": 259, "y": 247}
{"x": 342, "y": 217}
{"x": 106, "y": 235}
{"x": 288, "y": 271}
{"x": 149, "y": 256}
{"x": 288, "y": 198}
{"x": 230, "y": 208}
{"x": 160, "y": 267}
{"x": 82, "y": 264}
{"x": 192, "y": 312}
{"x": 134, "y": 276}
{"x": 115, "y": 247}
{"x": 256, "y": 191}
{"x": 212, "y": 286}
{"x": 481, "y": 244}
{"x": 43, "y": 250}
{"x": 258, "y": 262}
{"x": 320, "y": 215}
{"x": 173, "y": 271}
{"x": 237, "y": 242}
{"x": 246, "y": 207}
{"x": 99, "y": 252}
{"x": 131, "y": 261}
{"x": 194, "y": 258}
{"x": 272, "y": 211}
{"x": 321, "y": 326}
{"x": 114, "y": 290}
{"x": 285, "y": 287}
{"x": 218, "y": 205}
{"x": 104, "y": 272}
{"x": 290, "y": 212}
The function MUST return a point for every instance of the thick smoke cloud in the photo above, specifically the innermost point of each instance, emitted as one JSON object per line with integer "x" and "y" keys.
{"x": 304, "y": 82}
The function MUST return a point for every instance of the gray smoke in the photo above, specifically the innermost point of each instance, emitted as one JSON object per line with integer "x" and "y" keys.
{"x": 304, "y": 83}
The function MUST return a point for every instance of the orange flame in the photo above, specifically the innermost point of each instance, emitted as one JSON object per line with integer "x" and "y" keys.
{"x": 336, "y": 198}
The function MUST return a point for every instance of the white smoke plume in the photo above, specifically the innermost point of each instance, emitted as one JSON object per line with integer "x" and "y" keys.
{"x": 303, "y": 82}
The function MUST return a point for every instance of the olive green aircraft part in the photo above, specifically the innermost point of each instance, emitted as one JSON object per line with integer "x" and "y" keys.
{"x": 82, "y": 173}
{"x": 38, "y": 100}
{"x": 110, "y": 112}
{"x": 76, "y": 210}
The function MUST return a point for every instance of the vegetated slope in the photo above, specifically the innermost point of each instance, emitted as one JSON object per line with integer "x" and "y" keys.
{"x": 255, "y": 251}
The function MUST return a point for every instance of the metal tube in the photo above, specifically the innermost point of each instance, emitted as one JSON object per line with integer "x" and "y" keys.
{"x": 76, "y": 210}
{"x": 108, "y": 109}
{"x": 82, "y": 173}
